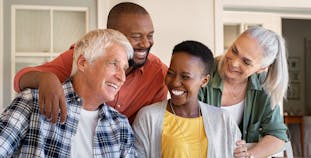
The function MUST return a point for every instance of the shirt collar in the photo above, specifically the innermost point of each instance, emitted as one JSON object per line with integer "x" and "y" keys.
{"x": 72, "y": 98}
{"x": 70, "y": 95}
{"x": 142, "y": 69}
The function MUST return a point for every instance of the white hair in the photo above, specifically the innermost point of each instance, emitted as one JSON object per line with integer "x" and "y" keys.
{"x": 93, "y": 45}
{"x": 274, "y": 57}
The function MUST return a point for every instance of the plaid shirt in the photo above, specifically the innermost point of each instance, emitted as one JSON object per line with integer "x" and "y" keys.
{"x": 25, "y": 133}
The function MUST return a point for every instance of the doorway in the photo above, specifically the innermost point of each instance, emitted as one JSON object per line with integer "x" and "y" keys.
{"x": 297, "y": 34}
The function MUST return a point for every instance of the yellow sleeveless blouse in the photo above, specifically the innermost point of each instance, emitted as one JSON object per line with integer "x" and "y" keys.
{"x": 183, "y": 137}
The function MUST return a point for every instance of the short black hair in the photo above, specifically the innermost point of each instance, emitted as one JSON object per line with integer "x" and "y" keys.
{"x": 199, "y": 50}
{"x": 121, "y": 9}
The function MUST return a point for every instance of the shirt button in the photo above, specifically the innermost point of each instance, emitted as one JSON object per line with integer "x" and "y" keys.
{"x": 78, "y": 99}
{"x": 118, "y": 106}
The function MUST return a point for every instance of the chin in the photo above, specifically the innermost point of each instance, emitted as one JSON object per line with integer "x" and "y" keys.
{"x": 139, "y": 64}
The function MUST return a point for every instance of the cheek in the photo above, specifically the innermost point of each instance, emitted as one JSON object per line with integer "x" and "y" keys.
{"x": 133, "y": 43}
{"x": 228, "y": 55}
{"x": 167, "y": 80}
{"x": 247, "y": 72}
{"x": 151, "y": 42}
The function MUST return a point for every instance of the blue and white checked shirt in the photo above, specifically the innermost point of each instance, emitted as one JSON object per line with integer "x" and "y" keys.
{"x": 25, "y": 133}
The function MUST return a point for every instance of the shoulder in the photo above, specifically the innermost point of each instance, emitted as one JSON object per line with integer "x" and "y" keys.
{"x": 113, "y": 115}
{"x": 150, "y": 116}
{"x": 26, "y": 97}
{"x": 68, "y": 53}
{"x": 214, "y": 112}
{"x": 20, "y": 108}
{"x": 154, "y": 59}
{"x": 153, "y": 108}
{"x": 151, "y": 112}
{"x": 218, "y": 120}
{"x": 155, "y": 63}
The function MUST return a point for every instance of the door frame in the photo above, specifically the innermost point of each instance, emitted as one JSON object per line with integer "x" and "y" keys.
{"x": 1, "y": 54}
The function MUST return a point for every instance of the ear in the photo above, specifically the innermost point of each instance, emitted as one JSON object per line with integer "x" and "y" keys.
{"x": 205, "y": 80}
{"x": 81, "y": 63}
{"x": 263, "y": 69}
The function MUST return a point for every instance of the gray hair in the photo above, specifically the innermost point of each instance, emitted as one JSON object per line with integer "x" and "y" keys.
{"x": 93, "y": 45}
{"x": 274, "y": 57}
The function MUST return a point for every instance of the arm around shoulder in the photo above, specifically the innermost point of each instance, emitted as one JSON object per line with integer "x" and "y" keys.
{"x": 60, "y": 66}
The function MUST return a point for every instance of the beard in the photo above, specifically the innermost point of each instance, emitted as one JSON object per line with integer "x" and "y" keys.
{"x": 135, "y": 65}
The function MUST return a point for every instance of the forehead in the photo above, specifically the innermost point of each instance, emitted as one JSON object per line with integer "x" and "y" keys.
{"x": 135, "y": 23}
{"x": 249, "y": 48}
{"x": 186, "y": 60}
{"x": 115, "y": 51}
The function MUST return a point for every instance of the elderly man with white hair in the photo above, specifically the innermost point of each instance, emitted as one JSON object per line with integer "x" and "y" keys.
{"x": 92, "y": 128}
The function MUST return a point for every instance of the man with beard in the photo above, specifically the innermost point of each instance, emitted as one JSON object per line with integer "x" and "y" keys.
{"x": 144, "y": 83}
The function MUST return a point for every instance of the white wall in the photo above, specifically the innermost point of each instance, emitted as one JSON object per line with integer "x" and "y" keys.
{"x": 175, "y": 21}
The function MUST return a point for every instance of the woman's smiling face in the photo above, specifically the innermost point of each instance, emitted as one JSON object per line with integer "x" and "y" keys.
{"x": 243, "y": 59}
{"x": 185, "y": 77}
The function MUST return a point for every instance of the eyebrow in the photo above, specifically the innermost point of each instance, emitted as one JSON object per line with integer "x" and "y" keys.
{"x": 140, "y": 33}
{"x": 235, "y": 48}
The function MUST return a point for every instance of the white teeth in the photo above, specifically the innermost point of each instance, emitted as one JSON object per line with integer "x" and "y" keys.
{"x": 140, "y": 53}
{"x": 112, "y": 85}
{"x": 177, "y": 92}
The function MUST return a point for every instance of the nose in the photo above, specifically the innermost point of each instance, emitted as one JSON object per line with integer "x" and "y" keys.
{"x": 120, "y": 75}
{"x": 235, "y": 62}
{"x": 175, "y": 81}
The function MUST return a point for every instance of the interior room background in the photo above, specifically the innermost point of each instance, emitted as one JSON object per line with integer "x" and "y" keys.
{"x": 34, "y": 31}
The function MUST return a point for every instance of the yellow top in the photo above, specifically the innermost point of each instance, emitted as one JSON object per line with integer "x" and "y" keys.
{"x": 183, "y": 137}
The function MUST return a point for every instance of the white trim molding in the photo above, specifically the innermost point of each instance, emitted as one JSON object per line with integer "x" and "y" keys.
{"x": 289, "y": 6}
{"x": 218, "y": 28}
{"x": 103, "y": 7}
{"x": 1, "y": 54}
{"x": 281, "y": 4}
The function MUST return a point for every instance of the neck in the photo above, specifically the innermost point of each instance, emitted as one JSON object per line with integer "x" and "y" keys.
{"x": 90, "y": 102}
{"x": 129, "y": 70}
{"x": 184, "y": 110}
{"x": 233, "y": 82}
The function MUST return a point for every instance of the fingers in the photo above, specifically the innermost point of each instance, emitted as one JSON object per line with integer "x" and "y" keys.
{"x": 41, "y": 104}
{"x": 243, "y": 155}
{"x": 44, "y": 106}
{"x": 240, "y": 143}
{"x": 51, "y": 97}
{"x": 47, "y": 108}
{"x": 63, "y": 110}
{"x": 54, "y": 110}
{"x": 50, "y": 108}
{"x": 241, "y": 150}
